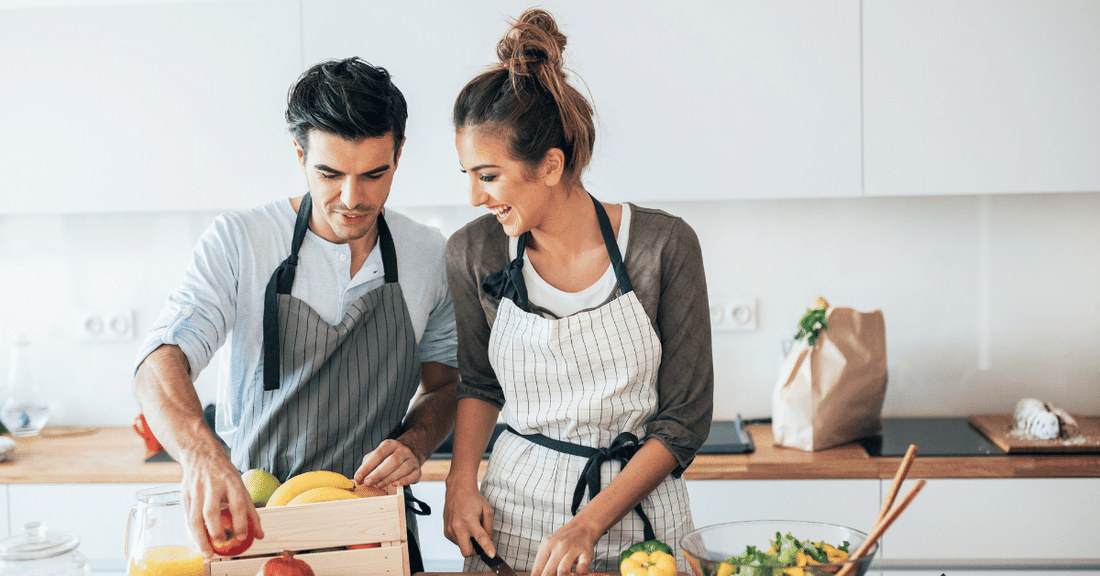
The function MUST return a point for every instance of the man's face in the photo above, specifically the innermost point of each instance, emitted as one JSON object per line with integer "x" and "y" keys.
{"x": 349, "y": 182}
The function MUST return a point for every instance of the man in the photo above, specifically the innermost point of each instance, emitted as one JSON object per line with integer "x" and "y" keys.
{"x": 335, "y": 312}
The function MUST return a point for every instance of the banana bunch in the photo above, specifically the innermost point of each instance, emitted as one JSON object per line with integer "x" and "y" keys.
{"x": 316, "y": 486}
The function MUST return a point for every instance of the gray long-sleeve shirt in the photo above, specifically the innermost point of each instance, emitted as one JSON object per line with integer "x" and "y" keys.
{"x": 665, "y": 265}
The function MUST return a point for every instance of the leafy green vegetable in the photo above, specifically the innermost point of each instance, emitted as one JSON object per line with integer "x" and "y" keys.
{"x": 783, "y": 552}
{"x": 811, "y": 325}
{"x": 816, "y": 553}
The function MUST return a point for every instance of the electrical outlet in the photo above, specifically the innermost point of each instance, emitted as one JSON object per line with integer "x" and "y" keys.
{"x": 105, "y": 325}
{"x": 736, "y": 315}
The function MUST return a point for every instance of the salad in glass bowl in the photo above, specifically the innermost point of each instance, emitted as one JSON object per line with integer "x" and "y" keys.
{"x": 774, "y": 548}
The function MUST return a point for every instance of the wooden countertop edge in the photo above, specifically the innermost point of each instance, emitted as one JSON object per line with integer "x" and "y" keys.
{"x": 116, "y": 455}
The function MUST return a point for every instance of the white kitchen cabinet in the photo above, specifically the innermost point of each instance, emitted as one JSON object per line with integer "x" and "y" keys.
{"x": 998, "y": 518}
{"x": 5, "y": 529}
{"x": 697, "y": 100}
{"x": 439, "y": 553}
{"x": 981, "y": 96}
{"x": 96, "y": 513}
{"x": 166, "y": 106}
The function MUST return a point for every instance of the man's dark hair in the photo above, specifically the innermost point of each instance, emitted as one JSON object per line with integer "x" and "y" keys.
{"x": 349, "y": 98}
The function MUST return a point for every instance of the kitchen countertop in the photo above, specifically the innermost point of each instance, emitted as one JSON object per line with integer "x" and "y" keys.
{"x": 67, "y": 455}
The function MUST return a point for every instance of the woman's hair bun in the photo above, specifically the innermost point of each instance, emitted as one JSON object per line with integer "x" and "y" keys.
{"x": 533, "y": 41}
{"x": 527, "y": 97}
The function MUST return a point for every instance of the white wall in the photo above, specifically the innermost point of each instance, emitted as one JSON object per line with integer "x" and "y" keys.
{"x": 987, "y": 299}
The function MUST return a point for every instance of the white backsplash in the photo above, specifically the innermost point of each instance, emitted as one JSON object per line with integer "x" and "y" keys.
{"x": 987, "y": 299}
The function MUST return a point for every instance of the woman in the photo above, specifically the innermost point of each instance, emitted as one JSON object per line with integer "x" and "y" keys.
{"x": 586, "y": 323}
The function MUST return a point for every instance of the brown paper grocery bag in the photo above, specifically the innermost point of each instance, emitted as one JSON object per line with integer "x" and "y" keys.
{"x": 831, "y": 393}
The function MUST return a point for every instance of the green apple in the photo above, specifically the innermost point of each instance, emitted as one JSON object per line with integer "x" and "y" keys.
{"x": 260, "y": 484}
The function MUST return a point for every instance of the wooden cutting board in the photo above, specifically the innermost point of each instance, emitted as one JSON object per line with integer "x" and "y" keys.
{"x": 998, "y": 428}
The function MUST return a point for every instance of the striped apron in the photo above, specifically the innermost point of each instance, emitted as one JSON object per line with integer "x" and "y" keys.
{"x": 331, "y": 393}
{"x": 578, "y": 391}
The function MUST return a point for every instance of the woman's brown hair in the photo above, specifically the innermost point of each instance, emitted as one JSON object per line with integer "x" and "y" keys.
{"x": 526, "y": 98}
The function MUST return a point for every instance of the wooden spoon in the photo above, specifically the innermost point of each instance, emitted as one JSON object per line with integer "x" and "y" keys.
{"x": 887, "y": 515}
{"x": 903, "y": 471}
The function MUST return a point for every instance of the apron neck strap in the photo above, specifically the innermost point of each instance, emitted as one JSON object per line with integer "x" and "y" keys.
{"x": 612, "y": 247}
{"x": 301, "y": 224}
{"x": 389, "y": 254}
{"x": 282, "y": 281}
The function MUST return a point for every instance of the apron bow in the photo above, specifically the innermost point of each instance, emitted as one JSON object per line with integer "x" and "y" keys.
{"x": 622, "y": 449}
{"x": 508, "y": 281}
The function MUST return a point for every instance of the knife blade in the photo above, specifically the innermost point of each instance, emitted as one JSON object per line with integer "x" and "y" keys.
{"x": 496, "y": 564}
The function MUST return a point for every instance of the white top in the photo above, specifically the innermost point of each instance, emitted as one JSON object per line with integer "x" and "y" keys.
{"x": 560, "y": 303}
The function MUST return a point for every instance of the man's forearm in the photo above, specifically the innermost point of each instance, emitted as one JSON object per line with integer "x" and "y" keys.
{"x": 432, "y": 415}
{"x": 167, "y": 397}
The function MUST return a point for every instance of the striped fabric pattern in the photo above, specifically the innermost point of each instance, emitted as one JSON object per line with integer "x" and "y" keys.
{"x": 581, "y": 379}
{"x": 345, "y": 388}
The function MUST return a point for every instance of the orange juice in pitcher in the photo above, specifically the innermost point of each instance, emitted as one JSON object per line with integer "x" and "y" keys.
{"x": 166, "y": 561}
{"x": 158, "y": 542}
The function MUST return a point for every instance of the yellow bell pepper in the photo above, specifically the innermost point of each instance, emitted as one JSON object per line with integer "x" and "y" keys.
{"x": 655, "y": 563}
{"x": 834, "y": 555}
{"x": 724, "y": 569}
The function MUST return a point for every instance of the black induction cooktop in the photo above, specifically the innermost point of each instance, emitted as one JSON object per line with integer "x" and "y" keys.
{"x": 932, "y": 436}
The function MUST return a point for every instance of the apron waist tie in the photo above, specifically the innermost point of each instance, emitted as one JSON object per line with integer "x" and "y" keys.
{"x": 622, "y": 449}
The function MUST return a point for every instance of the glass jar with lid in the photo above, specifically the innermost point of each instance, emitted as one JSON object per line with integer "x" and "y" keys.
{"x": 38, "y": 551}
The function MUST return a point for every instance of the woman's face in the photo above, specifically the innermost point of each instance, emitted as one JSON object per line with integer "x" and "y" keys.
{"x": 501, "y": 184}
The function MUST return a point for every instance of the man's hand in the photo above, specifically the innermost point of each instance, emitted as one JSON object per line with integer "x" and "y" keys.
{"x": 210, "y": 483}
{"x": 430, "y": 418}
{"x": 391, "y": 464}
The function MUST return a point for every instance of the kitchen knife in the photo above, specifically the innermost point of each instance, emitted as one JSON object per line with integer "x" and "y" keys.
{"x": 497, "y": 564}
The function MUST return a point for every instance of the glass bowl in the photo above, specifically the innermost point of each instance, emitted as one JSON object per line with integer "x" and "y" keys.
{"x": 707, "y": 548}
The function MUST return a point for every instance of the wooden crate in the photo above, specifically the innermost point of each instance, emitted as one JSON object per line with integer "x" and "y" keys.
{"x": 312, "y": 530}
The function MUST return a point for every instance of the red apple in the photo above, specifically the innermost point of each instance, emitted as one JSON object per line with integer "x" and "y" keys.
{"x": 364, "y": 491}
{"x": 227, "y": 545}
{"x": 285, "y": 565}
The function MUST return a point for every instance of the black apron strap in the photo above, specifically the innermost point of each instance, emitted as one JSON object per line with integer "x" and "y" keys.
{"x": 282, "y": 280}
{"x": 622, "y": 449}
{"x": 612, "y": 247}
{"x": 508, "y": 281}
{"x": 389, "y": 253}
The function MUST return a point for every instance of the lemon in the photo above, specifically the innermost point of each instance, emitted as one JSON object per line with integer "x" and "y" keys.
{"x": 261, "y": 484}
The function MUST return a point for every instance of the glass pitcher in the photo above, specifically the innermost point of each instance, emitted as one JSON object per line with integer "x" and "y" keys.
{"x": 157, "y": 539}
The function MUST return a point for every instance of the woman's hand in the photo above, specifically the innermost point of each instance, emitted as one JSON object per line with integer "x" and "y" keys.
{"x": 467, "y": 514}
{"x": 569, "y": 546}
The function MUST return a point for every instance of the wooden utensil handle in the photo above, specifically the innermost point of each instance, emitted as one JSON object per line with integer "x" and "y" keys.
{"x": 879, "y": 528}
